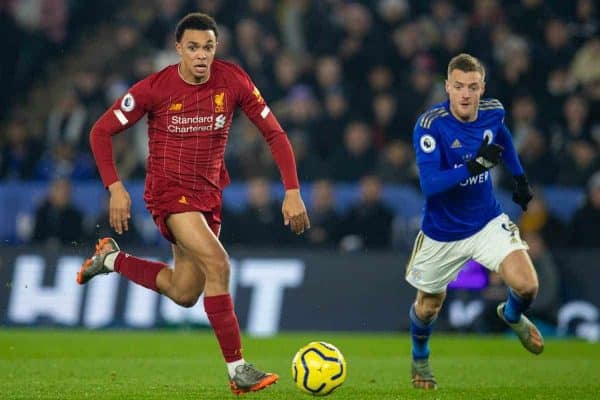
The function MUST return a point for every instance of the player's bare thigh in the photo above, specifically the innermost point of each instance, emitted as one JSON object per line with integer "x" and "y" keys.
{"x": 428, "y": 305}
{"x": 198, "y": 242}
{"x": 518, "y": 272}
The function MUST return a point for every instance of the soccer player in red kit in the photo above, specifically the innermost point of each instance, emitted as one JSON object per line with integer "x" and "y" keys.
{"x": 190, "y": 106}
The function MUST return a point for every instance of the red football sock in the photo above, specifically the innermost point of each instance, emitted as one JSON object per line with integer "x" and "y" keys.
{"x": 138, "y": 270}
{"x": 225, "y": 324}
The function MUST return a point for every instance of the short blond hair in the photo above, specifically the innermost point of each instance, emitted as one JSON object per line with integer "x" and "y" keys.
{"x": 466, "y": 63}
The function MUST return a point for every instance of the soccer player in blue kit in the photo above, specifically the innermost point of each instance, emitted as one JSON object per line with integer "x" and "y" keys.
{"x": 457, "y": 142}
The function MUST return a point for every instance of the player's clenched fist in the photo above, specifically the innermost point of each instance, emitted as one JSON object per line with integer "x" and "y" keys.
{"x": 119, "y": 210}
{"x": 523, "y": 192}
{"x": 487, "y": 157}
{"x": 294, "y": 212}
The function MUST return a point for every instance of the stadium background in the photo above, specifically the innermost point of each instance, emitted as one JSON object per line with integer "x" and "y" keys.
{"x": 347, "y": 79}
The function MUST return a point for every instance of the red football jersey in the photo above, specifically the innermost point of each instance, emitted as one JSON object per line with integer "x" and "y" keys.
{"x": 188, "y": 125}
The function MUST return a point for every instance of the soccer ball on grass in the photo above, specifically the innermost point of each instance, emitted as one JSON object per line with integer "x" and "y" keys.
{"x": 318, "y": 368}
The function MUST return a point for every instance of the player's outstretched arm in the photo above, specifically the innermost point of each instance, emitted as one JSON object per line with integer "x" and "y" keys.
{"x": 294, "y": 211}
{"x": 119, "y": 209}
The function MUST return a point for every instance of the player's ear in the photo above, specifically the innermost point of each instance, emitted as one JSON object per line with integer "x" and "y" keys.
{"x": 178, "y": 47}
{"x": 482, "y": 88}
{"x": 447, "y": 87}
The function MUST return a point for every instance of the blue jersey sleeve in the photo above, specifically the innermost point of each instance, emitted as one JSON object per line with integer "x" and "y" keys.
{"x": 509, "y": 155}
{"x": 432, "y": 177}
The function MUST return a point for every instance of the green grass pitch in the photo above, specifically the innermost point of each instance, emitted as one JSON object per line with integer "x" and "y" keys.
{"x": 62, "y": 364}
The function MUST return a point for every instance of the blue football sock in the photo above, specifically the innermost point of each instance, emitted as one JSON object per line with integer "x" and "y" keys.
{"x": 420, "y": 332}
{"x": 515, "y": 306}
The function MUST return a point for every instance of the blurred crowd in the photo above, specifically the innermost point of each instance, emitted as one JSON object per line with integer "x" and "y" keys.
{"x": 347, "y": 79}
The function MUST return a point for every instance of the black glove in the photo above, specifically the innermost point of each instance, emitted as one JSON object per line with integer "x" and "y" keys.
{"x": 487, "y": 157}
{"x": 523, "y": 193}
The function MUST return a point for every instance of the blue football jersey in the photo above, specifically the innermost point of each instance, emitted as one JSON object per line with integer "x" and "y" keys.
{"x": 458, "y": 205}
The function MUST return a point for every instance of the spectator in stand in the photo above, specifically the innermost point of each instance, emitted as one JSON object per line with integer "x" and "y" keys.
{"x": 537, "y": 160}
{"x": 287, "y": 75}
{"x": 368, "y": 224}
{"x": 247, "y": 156}
{"x": 262, "y": 225}
{"x": 421, "y": 92}
{"x": 559, "y": 85}
{"x": 585, "y": 22}
{"x": 575, "y": 123}
{"x": 523, "y": 118}
{"x": 578, "y": 163}
{"x": 356, "y": 46}
{"x": 380, "y": 80}
{"x": 265, "y": 14}
{"x": 391, "y": 13}
{"x": 406, "y": 45}
{"x": 68, "y": 122}
{"x": 384, "y": 123}
{"x": 18, "y": 152}
{"x": 452, "y": 41}
{"x": 356, "y": 157}
{"x": 329, "y": 128}
{"x": 89, "y": 93}
{"x": 527, "y": 17}
{"x": 57, "y": 220}
{"x": 486, "y": 16}
{"x": 309, "y": 165}
{"x": 516, "y": 69}
{"x": 63, "y": 161}
{"x": 396, "y": 164}
{"x": 585, "y": 227}
{"x": 538, "y": 220}
{"x": 585, "y": 68}
{"x": 576, "y": 152}
{"x": 166, "y": 15}
{"x": 301, "y": 111}
{"x": 328, "y": 75}
{"x": 250, "y": 48}
{"x": 324, "y": 220}
{"x": 556, "y": 50}
{"x": 128, "y": 163}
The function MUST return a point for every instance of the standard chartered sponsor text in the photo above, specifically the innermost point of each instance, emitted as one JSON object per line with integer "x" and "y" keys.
{"x": 181, "y": 124}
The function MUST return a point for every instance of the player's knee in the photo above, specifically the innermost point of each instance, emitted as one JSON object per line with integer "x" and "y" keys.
{"x": 218, "y": 268}
{"x": 431, "y": 311}
{"x": 527, "y": 290}
{"x": 428, "y": 310}
{"x": 186, "y": 299}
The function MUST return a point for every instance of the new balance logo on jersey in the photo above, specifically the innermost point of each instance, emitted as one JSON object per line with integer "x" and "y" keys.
{"x": 220, "y": 121}
{"x": 176, "y": 107}
{"x": 456, "y": 144}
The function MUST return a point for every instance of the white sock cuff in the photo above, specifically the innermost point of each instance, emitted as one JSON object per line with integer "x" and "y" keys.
{"x": 109, "y": 260}
{"x": 231, "y": 366}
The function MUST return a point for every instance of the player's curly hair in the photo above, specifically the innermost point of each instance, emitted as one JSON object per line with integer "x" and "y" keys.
{"x": 466, "y": 63}
{"x": 197, "y": 21}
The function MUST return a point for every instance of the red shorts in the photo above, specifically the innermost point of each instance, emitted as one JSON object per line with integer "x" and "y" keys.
{"x": 164, "y": 197}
